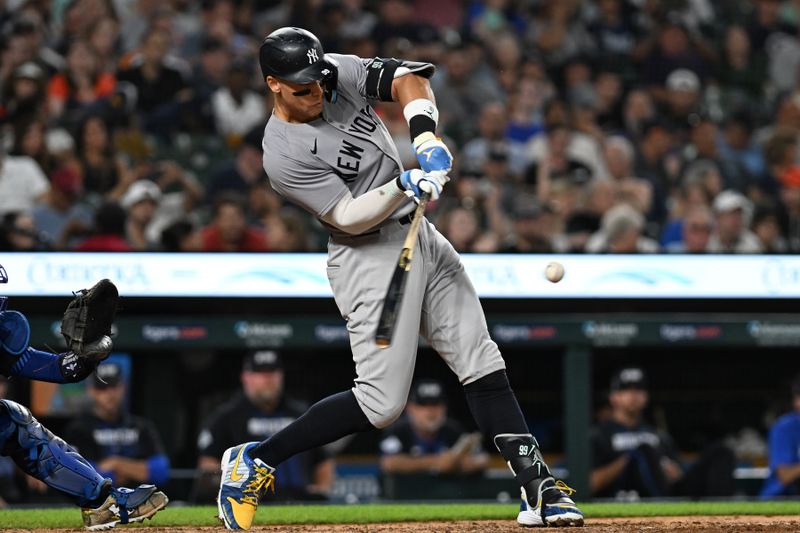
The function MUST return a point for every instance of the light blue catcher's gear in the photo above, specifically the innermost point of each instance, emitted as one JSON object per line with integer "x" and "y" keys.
{"x": 46, "y": 457}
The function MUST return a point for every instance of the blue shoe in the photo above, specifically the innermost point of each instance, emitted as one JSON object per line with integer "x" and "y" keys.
{"x": 244, "y": 481}
{"x": 552, "y": 506}
{"x": 124, "y": 506}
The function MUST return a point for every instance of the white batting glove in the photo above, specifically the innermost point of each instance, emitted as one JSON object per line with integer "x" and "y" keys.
{"x": 418, "y": 182}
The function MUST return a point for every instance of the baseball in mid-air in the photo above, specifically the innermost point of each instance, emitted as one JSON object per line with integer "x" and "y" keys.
{"x": 554, "y": 271}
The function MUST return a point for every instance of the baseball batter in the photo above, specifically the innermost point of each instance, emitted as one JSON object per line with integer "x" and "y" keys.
{"x": 326, "y": 150}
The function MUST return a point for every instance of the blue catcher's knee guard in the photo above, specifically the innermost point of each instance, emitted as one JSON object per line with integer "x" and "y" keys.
{"x": 15, "y": 332}
{"x": 46, "y": 457}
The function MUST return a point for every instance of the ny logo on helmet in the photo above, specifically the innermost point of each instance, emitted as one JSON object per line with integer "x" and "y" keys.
{"x": 312, "y": 56}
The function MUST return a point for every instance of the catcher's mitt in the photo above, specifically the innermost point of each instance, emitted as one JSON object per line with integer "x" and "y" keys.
{"x": 87, "y": 321}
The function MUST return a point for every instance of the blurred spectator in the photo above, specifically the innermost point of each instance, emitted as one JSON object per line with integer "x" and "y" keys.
{"x": 104, "y": 38}
{"x": 24, "y": 94}
{"x": 260, "y": 410}
{"x": 29, "y": 141}
{"x": 629, "y": 455}
{"x": 108, "y": 232}
{"x": 18, "y": 233}
{"x": 558, "y": 33}
{"x": 784, "y": 451}
{"x": 733, "y": 215}
{"x": 22, "y": 183}
{"x": 229, "y": 231}
{"x": 696, "y": 228}
{"x": 461, "y": 227}
{"x": 396, "y": 23}
{"x": 491, "y": 128}
{"x": 675, "y": 49}
{"x": 209, "y": 75}
{"x": 621, "y": 232}
{"x": 104, "y": 173}
{"x": 237, "y": 108}
{"x": 682, "y": 100}
{"x": 427, "y": 441}
{"x": 160, "y": 82}
{"x": 140, "y": 201}
{"x": 180, "y": 236}
{"x": 535, "y": 229}
{"x": 60, "y": 217}
{"x": 83, "y": 83}
{"x": 240, "y": 174}
{"x": 740, "y": 71}
{"x": 768, "y": 230}
{"x": 122, "y": 446}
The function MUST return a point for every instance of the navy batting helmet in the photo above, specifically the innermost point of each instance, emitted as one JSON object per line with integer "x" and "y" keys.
{"x": 295, "y": 55}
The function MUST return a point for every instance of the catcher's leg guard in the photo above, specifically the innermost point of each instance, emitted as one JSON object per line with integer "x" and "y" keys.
{"x": 46, "y": 457}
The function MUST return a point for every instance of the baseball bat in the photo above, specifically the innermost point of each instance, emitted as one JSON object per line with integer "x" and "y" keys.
{"x": 394, "y": 295}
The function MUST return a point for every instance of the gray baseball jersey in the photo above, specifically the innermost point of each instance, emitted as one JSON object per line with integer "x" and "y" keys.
{"x": 314, "y": 165}
{"x": 349, "y": 148}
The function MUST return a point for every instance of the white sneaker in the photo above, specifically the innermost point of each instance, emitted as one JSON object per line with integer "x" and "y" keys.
{"x": 559, "y": 509}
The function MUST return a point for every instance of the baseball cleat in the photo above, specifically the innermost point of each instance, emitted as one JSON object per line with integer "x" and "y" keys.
{"x": 244, "y": 480}
{"x": 124, "y": 506}
{"x": 553, "y": 507}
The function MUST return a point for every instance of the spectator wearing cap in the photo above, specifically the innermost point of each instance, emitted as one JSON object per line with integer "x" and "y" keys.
{"x": 535, "y": 228}
{"x": 784, "y": 450}
{"x": 237, "y": 108}
{"x": 229, "y": 230}
{"x": 122, "y": 446}
{"x": 427, "y": 441}
{"x": 256, "y": 413}
{"x": 24, "y": 94}
{"x": 676, "y": 48}
{"x": 733, "y": 213}
{"x": 241, "y": 173}
{"x": 60, "y": 217}
{"x": 632, "y": 458}
{"x": 22, "y": 183}
{"x": 140, "y": 202}
{"x": 682, "y": 99}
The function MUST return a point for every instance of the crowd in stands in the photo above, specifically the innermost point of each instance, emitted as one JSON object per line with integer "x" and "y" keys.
{"x": 605, "y": 126}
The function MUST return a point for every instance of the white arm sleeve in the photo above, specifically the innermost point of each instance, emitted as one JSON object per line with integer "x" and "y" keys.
{"x": 357, "y": 215}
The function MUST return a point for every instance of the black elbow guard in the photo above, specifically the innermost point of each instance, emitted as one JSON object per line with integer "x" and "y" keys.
{"x": 381, "y": 73}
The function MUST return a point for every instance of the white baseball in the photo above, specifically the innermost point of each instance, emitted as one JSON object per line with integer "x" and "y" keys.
{"x": 554, "y": 271}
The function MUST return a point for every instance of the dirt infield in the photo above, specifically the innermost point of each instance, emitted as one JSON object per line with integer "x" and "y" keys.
{"x": 704, "y": 524}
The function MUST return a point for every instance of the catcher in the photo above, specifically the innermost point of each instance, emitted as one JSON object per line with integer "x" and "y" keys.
{"x": 86, "y": 328}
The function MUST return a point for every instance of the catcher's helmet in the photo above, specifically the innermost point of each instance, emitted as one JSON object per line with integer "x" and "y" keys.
{"x": 295, "y": 55}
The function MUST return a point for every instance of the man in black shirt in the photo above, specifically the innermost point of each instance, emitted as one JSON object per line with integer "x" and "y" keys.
{"x": 255, "y": 414}
{"x": 121, "y": 446}
{"x": 426, "y": 441}
{"x": 632, "y": 458}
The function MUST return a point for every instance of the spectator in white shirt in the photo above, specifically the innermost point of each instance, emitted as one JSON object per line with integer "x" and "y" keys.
{"x": 236, "y": 107}
{"x": 22, "y": 183}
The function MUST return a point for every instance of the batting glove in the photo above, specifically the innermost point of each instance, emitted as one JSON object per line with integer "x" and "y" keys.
{"x": 432, "y": 153}
{"x": 418, "y": 182}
